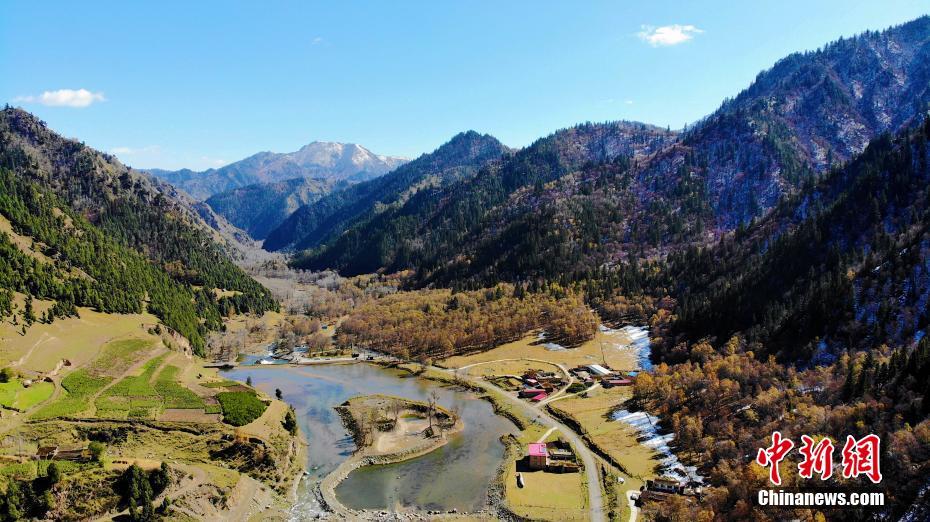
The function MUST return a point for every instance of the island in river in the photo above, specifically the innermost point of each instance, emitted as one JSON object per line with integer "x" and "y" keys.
{"x": 393, "y": 429}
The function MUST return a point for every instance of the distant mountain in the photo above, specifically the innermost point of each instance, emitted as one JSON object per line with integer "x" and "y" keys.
{"x": 326, "y": 160}
{"x": 438, "y": 223}
{"x": 260, "y": 208}
{"x": 569, "y": 204}
{"x": 90, "y": 215}
{"x": 324, "y": 220}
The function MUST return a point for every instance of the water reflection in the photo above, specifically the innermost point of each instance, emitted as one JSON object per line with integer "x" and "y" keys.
{"x": 455, "y": 476}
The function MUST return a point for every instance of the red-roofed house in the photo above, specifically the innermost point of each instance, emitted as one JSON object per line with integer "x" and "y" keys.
{"x": 610, "y": 383}
{"x": 538, "y": 455}
{"x": 530, "y": 392}
{"x": 541, "y": 396}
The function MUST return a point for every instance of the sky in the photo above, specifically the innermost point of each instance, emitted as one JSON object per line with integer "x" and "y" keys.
{"x": 201, "y": 84}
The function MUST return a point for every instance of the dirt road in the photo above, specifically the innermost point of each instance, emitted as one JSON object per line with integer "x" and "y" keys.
{"x": 595, "y": 494}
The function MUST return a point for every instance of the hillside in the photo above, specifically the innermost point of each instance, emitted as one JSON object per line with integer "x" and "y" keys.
{"x": 258, "y": 209}
{"x": 316, "y": 224}
{"x": 561, "y": 205}
{"x": 809, "y": 112}
{"x": 432, "y": 225}
{"x": 812, "y": 320}
{"x": 331, "y": 161}
{"x": 842, "y": 265}
{"x": 130, "y": 245}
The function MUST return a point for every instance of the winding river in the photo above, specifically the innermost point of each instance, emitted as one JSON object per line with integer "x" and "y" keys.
{"x": 455, "y": 476}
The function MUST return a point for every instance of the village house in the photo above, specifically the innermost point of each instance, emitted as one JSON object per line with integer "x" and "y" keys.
{"x": 46, "y": 452}
{"x": 665, "y": 485}
{"x": 80, "y": 454}
{"x": 526, "y": 393}
{"x": 598, "y": 372}
{"x": 538, "y": 456}
{"x": 553, "y": 457}
{"x": 560, "y": 450}
{"x": 610, "y": 383}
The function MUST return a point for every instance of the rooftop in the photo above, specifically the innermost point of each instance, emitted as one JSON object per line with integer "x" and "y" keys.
{"x": 537, "y": 450}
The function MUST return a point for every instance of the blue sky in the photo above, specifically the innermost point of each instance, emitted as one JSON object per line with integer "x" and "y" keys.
{"x": 199, "y": 84}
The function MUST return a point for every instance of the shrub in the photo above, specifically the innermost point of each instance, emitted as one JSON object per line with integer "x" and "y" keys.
{"x": 240, "y": 408}
{"x": 97, "y": 450}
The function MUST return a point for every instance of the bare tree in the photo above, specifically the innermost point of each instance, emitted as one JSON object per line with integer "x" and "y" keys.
{"x": 395, "y": 408}
{"x": 431, "y": 410}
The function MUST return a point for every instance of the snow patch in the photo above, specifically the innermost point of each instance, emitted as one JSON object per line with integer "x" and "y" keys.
{"x": 648, "y": 428}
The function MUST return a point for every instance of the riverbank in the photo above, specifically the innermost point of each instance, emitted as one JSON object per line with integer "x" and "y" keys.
{"x": 412, "y": 435}
{"x": 532, "y": 422}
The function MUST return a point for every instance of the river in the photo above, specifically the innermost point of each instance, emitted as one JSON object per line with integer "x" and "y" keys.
{"x": 455, "y": 476}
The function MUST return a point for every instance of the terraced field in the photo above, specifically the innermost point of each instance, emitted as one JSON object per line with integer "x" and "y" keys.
{"x": 132, "y": 397}
{"x": 79, "y": 388}
{"x": 173, "y": 394}
{"x": 130, "y": 379}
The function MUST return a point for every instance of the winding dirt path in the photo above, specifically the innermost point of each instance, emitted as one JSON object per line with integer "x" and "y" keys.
{"x": 45, "y": 337}
{"x": 545, "y": 436}
{"x": 634, "y": 511}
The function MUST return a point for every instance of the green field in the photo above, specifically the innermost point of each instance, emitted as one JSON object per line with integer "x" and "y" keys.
{"x": 8, "y": 391}
{"x": 39, "y": 468}
{"x": 144, "y": 395}
{"x": 118, "y": 356}
{"x": 173, "y": 394}
{"x": 137, "y": 385}
{"x": 35, "y": 394}
{"x": 240, "y": 408}
{"x": 79, "y": 386}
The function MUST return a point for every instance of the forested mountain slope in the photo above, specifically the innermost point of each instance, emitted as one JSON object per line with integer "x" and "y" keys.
{"x": 117, "y": 226}
{"x": 332, "y": 161}
{"x": 844, "y": 264}
{"x": 258, "y": 209}
{"x": 435, "y": 226}
{"x": 811, "y": 111}
{"x": 810, "y": 321}
{"x": 324, "y": 220}
{"x": 557, "y": 207}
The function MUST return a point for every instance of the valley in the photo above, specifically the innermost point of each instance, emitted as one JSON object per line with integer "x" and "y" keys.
{"x": 609, "y": 323}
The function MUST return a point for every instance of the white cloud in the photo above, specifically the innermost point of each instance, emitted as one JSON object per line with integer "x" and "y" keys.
{"x": 317, "y": 41}
{"x": 628, "y": 102}
{"x": 667, "y": 35}
{"x": 64, "y": 98}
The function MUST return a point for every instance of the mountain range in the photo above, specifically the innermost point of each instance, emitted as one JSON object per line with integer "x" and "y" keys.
{"x": 608, "y": 193}
{"x": 312, "y": 225}
{"x": 260, "y": 208}
{"x": 326, "y": 160}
